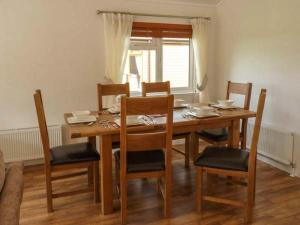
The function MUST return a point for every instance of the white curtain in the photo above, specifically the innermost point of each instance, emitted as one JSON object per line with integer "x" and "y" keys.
{"x": 200, "y": 45}
{"x": 117, "y": 33}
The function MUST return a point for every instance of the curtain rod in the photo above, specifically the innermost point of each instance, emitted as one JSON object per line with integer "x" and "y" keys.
{"x": 153, "y": 15}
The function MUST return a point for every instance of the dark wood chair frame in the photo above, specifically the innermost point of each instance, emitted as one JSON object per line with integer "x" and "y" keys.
{"x": 250, "y": 175}
{"x": 160, "y": 139}
{"x": 240, "y": 89}
{"x": 109, "y": 90}
{"x": 159, "y": 87}
{"x": 49, "y": 169}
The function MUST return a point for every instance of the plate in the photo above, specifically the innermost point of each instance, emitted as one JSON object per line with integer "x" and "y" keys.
{"x": 224, "y": 107}
{"x": 180, "y": 106}
{"x": 131, "y": 121}
{"x": 81, "y": 113}
{"x": 81, "y": 119}
{"x": 203, "y": 115}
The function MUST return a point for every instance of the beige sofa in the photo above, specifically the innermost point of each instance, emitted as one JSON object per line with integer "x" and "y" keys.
{"x": 11, "y": 191}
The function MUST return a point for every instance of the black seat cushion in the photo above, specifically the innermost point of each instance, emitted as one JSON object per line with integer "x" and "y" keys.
{"x": 217, "y": 135}
{"x": 224, "y": 158}
{"x": 74, "y": 153}
{"x": 143, "y": 161}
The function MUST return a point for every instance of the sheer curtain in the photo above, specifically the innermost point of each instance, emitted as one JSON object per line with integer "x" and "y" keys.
{"x": 200, "y": 45}
{"x": 117, "y": 33}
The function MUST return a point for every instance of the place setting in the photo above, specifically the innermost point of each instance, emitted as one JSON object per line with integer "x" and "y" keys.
{"x": 180, "y": 104}
{"x": 227, "y": 104}
{"x": 200, "y": 112}
{"x": 82, "y": 117}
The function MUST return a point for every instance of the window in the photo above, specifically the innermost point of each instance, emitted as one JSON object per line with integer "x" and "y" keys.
{"x": 160, "y": 59}
{"x": 161, "y": 56}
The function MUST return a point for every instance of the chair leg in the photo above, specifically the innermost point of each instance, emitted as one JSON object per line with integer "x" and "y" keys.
{"x": 244, "y": 138}
{"x": 49, "y": 191}
{"x": 96, "y": 182}
{"x": 117, "y": 177}
{"x": 195, "y": 146}
{"x": 250, "y": 193}
{"x": 199, "y": 181}
{"x": 168, "y": 194}
{"x": 243, "y": 143}
{"x": 254, "y": 181}
{"x": 158, "y": 186}
{"x": 90, "y": 175}
{"x": 123, "y": 200}
{"x": 187, "y": 151}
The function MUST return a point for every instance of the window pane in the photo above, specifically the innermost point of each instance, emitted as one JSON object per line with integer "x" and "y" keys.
{"x": 176, "y": 62}
{"x": 140, "y": 66}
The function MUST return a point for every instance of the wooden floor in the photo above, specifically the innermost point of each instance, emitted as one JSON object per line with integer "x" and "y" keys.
{"x": 277, "y": 201}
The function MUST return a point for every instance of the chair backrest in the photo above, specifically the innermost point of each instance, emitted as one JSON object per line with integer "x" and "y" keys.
{"x": 111, "y": 89}
{"x": 241, "y": 89}
{"x": 42, "y": 124}
{"x": 161, "y": 139}
{"x": 256, "y": 131}
{"x": 155, "y": 88}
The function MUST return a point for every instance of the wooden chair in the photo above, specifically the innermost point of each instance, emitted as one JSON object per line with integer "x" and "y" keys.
{"x": 159, "y": 87}
{"x": 231, "y": 162}
{"x": 68, "y": 157}
{"x": 220, "y": 136}
{"x": 146, "y": 155}
{"x": 109, "y": 90}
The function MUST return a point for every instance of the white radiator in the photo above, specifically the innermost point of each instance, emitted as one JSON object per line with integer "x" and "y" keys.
{"x": 25, "y": 144}
{"x": 274, "y": 144}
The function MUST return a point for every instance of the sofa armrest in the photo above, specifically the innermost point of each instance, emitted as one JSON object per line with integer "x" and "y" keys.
{"x": 11, "y": 194}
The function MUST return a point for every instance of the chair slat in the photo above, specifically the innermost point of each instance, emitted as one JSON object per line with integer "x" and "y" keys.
{"x": 155, "y": 88}
{"x": 147, "y": 106}
{"x": 238, "y": 88}
{"x": 146, "y": 141}
{"x": 111, "y": 89}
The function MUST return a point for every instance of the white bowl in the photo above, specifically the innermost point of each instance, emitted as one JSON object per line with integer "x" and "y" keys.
{"x": 226, "y": 103}
{"x": 202, "y": 110}
{"x": 178, "y": 102}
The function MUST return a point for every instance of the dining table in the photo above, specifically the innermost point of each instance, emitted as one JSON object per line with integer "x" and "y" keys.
{"x": 108, "y": 132}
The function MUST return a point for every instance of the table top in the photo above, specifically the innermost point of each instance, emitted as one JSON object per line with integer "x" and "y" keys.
{"x": 103, "y": 127}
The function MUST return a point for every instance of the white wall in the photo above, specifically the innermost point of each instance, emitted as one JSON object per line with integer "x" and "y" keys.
{"x": 57, "y": 46}
{"x": 258, "y": 41}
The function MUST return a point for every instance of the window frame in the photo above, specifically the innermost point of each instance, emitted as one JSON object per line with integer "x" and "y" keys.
{"x": 157, "y": 45}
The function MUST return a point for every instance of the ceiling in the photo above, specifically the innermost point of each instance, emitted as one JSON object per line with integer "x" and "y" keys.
{"x": 207, "y": 2}
{"x": 210, "y": 2}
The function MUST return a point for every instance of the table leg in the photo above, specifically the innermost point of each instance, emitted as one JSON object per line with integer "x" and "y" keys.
{"x": 234, "y": 134}
{"x": 106, "y": 175}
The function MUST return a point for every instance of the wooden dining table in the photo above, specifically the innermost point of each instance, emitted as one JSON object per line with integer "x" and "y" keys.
{"x": 108, "y": 132}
